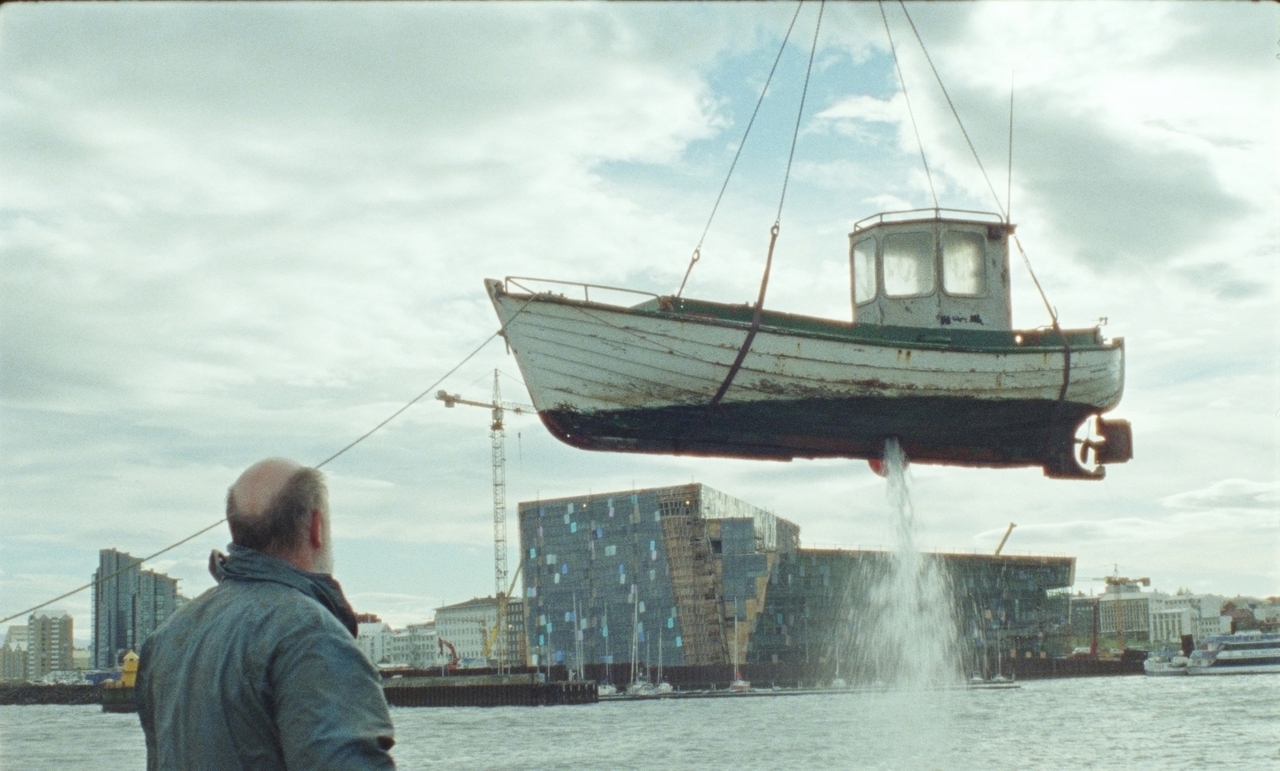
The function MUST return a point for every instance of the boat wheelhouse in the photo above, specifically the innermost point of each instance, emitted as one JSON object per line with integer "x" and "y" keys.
{"x": 929, "y": 357}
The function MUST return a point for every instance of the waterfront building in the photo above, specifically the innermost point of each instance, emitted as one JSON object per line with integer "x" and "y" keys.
{"x": 627, "y": 576}
{"x": 468, "y": 625}
{"x": 821, "y": 600}
{"x": 371, "y": 639}
{"x": 16, "y": 636}
{"x": 414, "y": 646}
{"x": 1126, "y": 609}
{"x": 128, "y": 605}
{"x": 622, "y": 575}
{"x": 13, "y": 654}
{"x": 50, "y": 645}
{"x": 1198, "y": 615}
{"x": 1084, "y": 611}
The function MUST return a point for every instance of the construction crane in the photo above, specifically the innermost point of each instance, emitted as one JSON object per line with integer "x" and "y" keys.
{"x": 1007, "y": 533}
{"x": 497, "y": 436}
{"x": 491, "y": 635}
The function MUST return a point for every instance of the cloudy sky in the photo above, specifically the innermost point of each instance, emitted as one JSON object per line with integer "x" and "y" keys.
{"x": 233, "y": 231}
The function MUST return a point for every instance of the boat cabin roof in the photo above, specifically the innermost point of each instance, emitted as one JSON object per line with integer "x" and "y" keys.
{"x": 931, "y": 268}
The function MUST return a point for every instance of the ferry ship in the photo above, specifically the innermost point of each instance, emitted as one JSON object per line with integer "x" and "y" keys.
{"x": 1242, "y": 653}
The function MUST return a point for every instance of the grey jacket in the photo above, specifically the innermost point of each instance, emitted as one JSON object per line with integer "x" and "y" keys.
{"x": 261, "y": 672}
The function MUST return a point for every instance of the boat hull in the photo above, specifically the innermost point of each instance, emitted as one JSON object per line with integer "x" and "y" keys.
{"x": 957, "y": 430}
{"x": 622, "y": 379}
{"x": 1238, "y": 669}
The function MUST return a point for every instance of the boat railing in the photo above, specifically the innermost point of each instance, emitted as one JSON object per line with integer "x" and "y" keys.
{"x": 515, "y": 281}
{"x": 938, "y": 213}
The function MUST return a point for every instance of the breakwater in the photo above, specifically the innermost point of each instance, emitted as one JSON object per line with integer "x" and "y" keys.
{"x": 424, "y": 690}
{"x": 486, "y": 691}
{"x": 41, "y": 693}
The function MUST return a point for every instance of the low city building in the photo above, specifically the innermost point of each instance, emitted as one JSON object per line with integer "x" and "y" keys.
{"x": 415, "y": 646}
{"x": 371, "y": 639}
{"x": 469, "y": 628}
{"x": 1198, "y": 615}
{"x": 13, "y": 654}
{"x": 1152, "y": 618}
{"x": 1124, "y": 610}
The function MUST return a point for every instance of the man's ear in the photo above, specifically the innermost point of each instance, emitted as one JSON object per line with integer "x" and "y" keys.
{"x": 316, "y": 531}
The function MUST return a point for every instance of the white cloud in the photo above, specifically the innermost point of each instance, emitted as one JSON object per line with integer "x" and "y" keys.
{"x": 233, "y": 231}
{"x": 1229, "y": 494}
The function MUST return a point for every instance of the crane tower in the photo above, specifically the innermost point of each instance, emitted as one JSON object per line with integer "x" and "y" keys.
{"x": 498, "y": 437}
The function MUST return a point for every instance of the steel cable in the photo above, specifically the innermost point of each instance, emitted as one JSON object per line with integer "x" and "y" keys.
{"x": 363, "y": 437}
{"x": 697, "y": 250}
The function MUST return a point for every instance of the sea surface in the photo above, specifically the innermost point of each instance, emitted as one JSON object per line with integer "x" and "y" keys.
{"x": 1104, "y": 723}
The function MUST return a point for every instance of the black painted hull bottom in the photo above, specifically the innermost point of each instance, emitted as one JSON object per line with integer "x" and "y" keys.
{"x": 965, "y": 432}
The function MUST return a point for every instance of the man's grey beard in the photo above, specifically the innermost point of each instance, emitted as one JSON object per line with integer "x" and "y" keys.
{"x": 324, "y": 559}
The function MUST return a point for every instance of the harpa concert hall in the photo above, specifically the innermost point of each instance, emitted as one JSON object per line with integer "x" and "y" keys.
{"x": 688, "y": 576}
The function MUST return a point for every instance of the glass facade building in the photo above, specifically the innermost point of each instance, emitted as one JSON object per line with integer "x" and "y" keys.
{"x": 643, "y": 575}
{"x": 672, "y": 573}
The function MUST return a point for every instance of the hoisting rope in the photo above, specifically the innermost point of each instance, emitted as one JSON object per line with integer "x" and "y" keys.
{"x": 758, "y": 315}
{"x": 950, "y": 104}
{"x": 1053, "y": 314}
{"x": 910, "y": 113}
{"x": 697, "y": 250}
{"x": 363, "y": 437}
{"x": 956, "y": 114}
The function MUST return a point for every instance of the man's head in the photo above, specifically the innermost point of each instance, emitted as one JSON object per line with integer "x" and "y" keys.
{"x": 281, "y": 508}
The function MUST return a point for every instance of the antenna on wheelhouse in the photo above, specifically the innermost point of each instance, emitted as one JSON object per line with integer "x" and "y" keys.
{"x": 1008, "y": 190}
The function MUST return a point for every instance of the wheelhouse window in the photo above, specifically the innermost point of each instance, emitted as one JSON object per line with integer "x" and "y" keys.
{"x": 908, "y": 264}
{"x": 864, "y": 271}
{"x": 963, "y": 266}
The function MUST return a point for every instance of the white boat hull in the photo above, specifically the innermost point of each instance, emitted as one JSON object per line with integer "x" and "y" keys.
{"x": 1247, "y": 669}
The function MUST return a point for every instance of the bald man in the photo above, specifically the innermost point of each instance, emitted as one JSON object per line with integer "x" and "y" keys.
{"x": 262, "y": 672}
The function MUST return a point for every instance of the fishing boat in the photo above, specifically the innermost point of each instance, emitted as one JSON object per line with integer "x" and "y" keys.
{"x": 928, "y": 355}
{"x": 1165, "y": 663}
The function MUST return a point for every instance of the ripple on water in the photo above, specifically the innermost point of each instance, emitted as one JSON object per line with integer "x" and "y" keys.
{"x": 1146, "y": 724}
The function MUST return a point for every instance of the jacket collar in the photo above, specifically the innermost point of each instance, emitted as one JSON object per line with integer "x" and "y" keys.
{"x": 245, "y": 564}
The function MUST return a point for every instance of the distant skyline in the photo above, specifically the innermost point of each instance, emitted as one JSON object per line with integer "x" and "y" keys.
{"x": 230, "y": 231}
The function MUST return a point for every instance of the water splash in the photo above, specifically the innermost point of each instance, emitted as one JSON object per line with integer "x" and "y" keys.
{"x": 905, "y": 635}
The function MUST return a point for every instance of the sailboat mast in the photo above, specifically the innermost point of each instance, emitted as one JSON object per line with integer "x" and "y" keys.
{"x": 659, "y": 654}
{"x": 577, "y": 638}
{"x": 736, "y": 675}
{"x": 635, "y": 631}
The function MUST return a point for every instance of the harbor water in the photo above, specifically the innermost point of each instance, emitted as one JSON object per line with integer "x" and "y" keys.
{"x": 1101, "y": 723}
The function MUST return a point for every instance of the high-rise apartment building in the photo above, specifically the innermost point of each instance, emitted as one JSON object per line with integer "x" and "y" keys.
{"x": 128, "y": 605}
{"x": 49, "y": 644}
